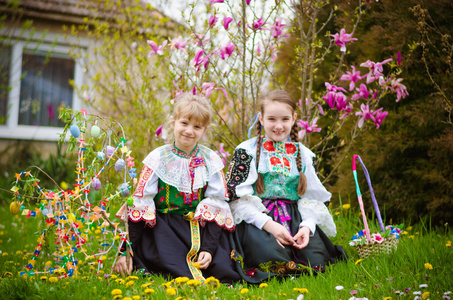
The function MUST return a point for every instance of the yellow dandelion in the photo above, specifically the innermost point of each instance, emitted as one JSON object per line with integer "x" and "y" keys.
{"x": 263, "y": 285}
{"x": 405, "y": 232}
{"x": 194, "y": 282}
{"x": 212, "y": 282}
{"x": 167, "y": 284}
{"x": 181, "y": 280}
{"x": 149, "y": 291}
{"x": 411, "y": 237}
{"x": 18, "y": 252}
{"x": 244, "y": 291}
{"x": 97, "y": 232}
{"x": 136, "y": 297}
{"x": 4, "y": 253}
{"x": 116, "y": 292}
{"x": 409, "y": 228}
{"x": 300, "y": 290}
{"x": 53, "y": 279}
{"x": 117, "y": 297}
{"x": 118, "y": 280}
{"x": 130, "y": 283}
{"x": 8, "y": 274}
{"x": 388, "y": 298}
{"x": 448, "y": 244}
{"x": 127, "y": 298}
{"x": 132, "y": 277}
{"x": 178, "y": 298}
{"x": 171, "y": 291}
{"x": 428, "y": 266}
{"x": 337, "y": 213}
{"x": 358, "y": 261}
{"x": 43, "y": 278}
{"x": 113, "y": 276}
{"x": 425, "y": 295}
{"x": 145, "y": 285}
{"x": 48, "y": 263}
{"x": 346, "y": 206}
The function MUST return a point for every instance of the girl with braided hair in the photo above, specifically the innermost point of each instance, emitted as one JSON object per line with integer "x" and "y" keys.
{"x": 277, "y": 200}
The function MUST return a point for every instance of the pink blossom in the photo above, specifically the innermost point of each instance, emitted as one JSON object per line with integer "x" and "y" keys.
{"x": 226, "y": 22}
{"x": 321, "y": 111}
{"x": 223, "y": 154}
{"x": 277, "y": 29}
{"x": 352, "y": 76}
{"x": 259, "y": 23}
{"x": 208, "y": 87}
{"x": 379, "y": 116}
{"x": 363, "y": 92}
{"x": 248, "y": 2}
{"x": 200, "y": 40}
{"x": 343, "y": 38}
{"x": 307, "y": 128}
{"x": 398, "y": 58}
{"x": 227, "y": 50}
{"x": 377, "y": 237}
{"x": 159, "y": 130}
{"x": 330, "y": 99}
{"x": 375, "y": 69}
{"x": 365, "y": 114}
{"x": 333, "y": 88}
{"x": 258, "y": 50}
{"x": 342, "y": 101}
{"x": 212, "y": 20}
{"x": 178, "y": 43}
{"x": 199, "y": 60}
{"x": 215, "y": 1}
{"x": 156, "y": 49}
{"x": 399, "y": 88}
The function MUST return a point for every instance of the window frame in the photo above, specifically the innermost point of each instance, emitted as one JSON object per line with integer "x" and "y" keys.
{"x": 11, "y": 129}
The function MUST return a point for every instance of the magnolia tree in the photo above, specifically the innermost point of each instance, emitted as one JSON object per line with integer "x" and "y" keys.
{"x": 230, "y": 53}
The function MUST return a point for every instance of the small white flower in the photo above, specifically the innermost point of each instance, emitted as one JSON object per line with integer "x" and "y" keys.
{"x": 339, "y": 287}
{"x": 300, "y": 297}
{"x": 423, "y": 286}
{"x": 417, "y": 293}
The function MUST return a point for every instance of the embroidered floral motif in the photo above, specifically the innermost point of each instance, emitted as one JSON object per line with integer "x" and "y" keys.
{"x": 184, "y": 154}
{"x": 136, "y": 214}
{"x": 211, "y": 213}
{"x": 238, "y": 171}
{"x": 279, "y": 154}
{"x": 144, "y": 176}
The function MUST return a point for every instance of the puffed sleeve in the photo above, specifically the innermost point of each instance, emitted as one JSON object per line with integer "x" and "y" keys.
{"x": 143, "y": 208}
{"x": 311, "y": 205}
{"x": 214, "y": 207}
{"x": 242, "y": 175}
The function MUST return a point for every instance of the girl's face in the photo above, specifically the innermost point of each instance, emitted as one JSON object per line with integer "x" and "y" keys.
{"x": 187, "y": 133}
{"x": 277, "y": 120}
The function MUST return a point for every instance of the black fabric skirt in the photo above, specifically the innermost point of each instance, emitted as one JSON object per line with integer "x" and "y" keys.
{"x": 259, "y": 257}
{"x": 163, "y": 249}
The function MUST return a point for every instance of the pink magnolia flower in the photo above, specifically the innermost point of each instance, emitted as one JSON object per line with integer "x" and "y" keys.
{"x": 365, "y": 114}
{"x": 156, "y": 49}
{"x": 363, "y": 92}
{"x": 159, "y": 130}
{"x": 342, "y": 38}
{"x": 208, "y": 87}
{"x": 227, "y": 50}
{"x": 259, "y": 23}
{"x": 342, "y": 101}
{"x": 352, "y": 76}
{"x": 248, "y": 2}
{"x": 226, "y": 22}
{"x": 258, "y": 50}
{"x": 212, "y": 20}
{"x": 321, "y": 111}
{"x": 399, "y": 88}
{"x": 333, "y": 88}
{"x": 200, "y": 60}
{"x": 330, "y": 99}
{"x": 375, "y": 69}
{"x": 215, "y": 1}
{"x": 277, "y": 29}
{"x": 178, "y": 43}
{"x": 398, "y": 58}
{"x": 200, "y": 40}
{"x": 379, "y": 116}
{"x": 222, "y": 153}
{"x": 307, "y": 128}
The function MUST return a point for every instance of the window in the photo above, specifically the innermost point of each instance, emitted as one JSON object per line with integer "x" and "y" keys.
{"x": 33, "y": 86}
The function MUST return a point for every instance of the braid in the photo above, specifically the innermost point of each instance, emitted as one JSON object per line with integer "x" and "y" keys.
{"x": 259, "y": 184}
{"x": 302, "y": 186}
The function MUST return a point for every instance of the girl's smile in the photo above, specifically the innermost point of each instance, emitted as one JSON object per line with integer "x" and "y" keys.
{"x": 277, "y": 120}
{"x": 187, "y": 133}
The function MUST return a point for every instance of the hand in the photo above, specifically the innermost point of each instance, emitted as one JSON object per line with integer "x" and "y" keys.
{"x": 280, "y": 233}
{"x": 204, "y": 259}
{"x": 121, "y": 267}
{"x": 302, "y": 238}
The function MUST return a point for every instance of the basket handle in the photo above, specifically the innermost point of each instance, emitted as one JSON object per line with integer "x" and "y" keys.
{"x": 359, "y": 196}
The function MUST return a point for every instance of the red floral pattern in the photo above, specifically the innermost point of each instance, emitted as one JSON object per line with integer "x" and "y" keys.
{"x": 144, "y": 177}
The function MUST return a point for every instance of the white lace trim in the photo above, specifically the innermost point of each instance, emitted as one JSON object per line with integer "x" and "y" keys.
{"x": 313, "y": 209}
{"x": 140, "y": 211}
{"x": 246, "y": 208}
{"x": 217, "y": 210}
{"x": 174, "y": 170}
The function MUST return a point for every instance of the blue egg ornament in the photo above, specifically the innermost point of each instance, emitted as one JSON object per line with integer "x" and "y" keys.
{"x": 75, "y": 131}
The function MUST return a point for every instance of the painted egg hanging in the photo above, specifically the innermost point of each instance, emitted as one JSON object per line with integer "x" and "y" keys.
{"x": 130, "y": 201}
{"x": 95, "y": 131}
{"x": 101, "y": 155}
{"x": 120, "y": 165}
{"x": 75, "y": 131}
{"x": 124, "y": 189}
{"x": 14, "y": 207}
{"x": 96, "y": 184}
{"x": 109, "y": 151}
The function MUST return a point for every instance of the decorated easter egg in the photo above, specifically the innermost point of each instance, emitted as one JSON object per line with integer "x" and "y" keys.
{"x": 120, "y": 165}
{"x": 130, "y": 201}
{"x": 109, "y": 150}
{"x": 75, "y": 131}
{"x": 14, "y": 207}
{"x": 101, "y": 155}
{"x": 96, "y": 184}
{"x": 95, "y": 131}
{"x": 71, "y": 217}
{"x": 124, "y": 189}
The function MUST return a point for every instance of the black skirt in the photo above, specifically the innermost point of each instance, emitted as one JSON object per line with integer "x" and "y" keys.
{"x": 259, "y": 257}
{"x": 163, "y": 249}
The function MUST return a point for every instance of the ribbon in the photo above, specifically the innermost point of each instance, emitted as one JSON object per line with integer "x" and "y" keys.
{"x": 254, "y": 120}
{"x": 280, "y": 211}
{"x": 196, "y": 243}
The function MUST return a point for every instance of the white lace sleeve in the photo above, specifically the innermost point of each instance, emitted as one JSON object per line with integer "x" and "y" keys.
{"x": 214, "y": 207}
{"x": 143, "y": 207}
{"x": 249, "y": 209}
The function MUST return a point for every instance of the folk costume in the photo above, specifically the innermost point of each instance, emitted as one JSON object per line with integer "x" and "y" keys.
{"x": 257, "y": 254}
{"x": 180, "y": 209}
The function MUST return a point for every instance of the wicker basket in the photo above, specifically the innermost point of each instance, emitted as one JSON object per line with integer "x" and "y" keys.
{"x": 371, "y": 247}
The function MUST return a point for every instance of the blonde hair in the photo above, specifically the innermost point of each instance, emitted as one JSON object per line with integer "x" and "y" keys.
{"x": 285, "y": 98}
{"x": 193, "y": 107}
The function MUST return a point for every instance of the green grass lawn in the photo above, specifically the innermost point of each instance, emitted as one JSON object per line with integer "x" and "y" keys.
{"x": 420, "y": 268}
